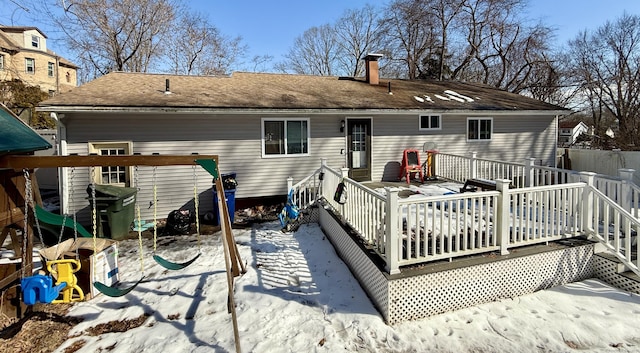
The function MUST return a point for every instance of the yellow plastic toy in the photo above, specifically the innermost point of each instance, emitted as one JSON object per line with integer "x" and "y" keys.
{"x": 63, "y": 270}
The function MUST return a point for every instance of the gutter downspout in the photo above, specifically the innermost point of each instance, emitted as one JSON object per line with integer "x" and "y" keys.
{"x": 63, "y": 193}
{"x": 57, "y": 68}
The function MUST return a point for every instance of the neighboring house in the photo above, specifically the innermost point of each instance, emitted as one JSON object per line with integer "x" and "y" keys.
{"x": 268, "y": 127}
{"x": 24, "y": 56}
{"x": 569, "y": 131}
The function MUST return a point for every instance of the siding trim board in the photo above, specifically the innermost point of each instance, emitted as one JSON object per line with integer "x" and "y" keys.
{"x": 243, "y": 111}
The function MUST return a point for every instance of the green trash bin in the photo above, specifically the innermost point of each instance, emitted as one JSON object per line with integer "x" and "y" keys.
{"x": 115, "y": 206}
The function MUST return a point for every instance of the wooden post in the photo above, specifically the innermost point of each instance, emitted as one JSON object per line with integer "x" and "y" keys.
{"x": 392, "y": 233}
{"x": 503, "y": 210}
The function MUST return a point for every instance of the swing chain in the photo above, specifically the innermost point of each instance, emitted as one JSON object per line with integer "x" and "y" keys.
{"x": 27, "y": 190}
{"x": 73, "y": 211}
{"x": 94, "y": 210}
{"x": 139, "y": 217}
{"x": 29, "y": 204}
{"x": 64, "y": 215}
{"x": 155, "y": 209}
{"x": 196, "y": 202}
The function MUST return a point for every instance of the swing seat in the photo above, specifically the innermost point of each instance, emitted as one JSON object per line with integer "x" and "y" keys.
{"x": 113, "y": 291}
{"x": 40, "y": 289}
{"x": 64, "y": 269}
{"x": 47, "y": 218}
{"x": 174, "y": 265}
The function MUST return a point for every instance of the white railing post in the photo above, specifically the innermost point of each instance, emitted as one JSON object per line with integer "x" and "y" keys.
{"x": 473, "y": 171}
{"x": 321, "y": 183}
{"x": 289, "y": 184}
{"x": 501, "y": 227}
{"x": 588, "y": 223}
{"x": 391, "y": 231}
{"x": 529, "y": 163}
{"x": 625, "y": 193}
{"x": 344, "y": 172}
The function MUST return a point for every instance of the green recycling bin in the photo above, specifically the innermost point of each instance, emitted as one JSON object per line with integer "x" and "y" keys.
{"x": 115, "y": 208}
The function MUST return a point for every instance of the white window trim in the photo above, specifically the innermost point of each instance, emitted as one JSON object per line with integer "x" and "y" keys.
{"x": 51, "y": 69}
{"x": 286, "y": 155}
{"x": 36, "y": 41}
{"x": 1, "y": 62}
{"x": 26, "y": 66}
{"x": 478, "y": 139}
{"x": 95, "y": 146}
{"x": 420, "y": 128}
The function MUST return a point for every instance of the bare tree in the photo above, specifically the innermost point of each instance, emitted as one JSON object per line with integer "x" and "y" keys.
{"x": 188, "y": 43}
{"x": 313, "y": 53}
{"x": 358, "y": 34}
{"x": 195, "y": 47}
{"x": 446, "y": 12}
{"x": 116, "y": 35}
{"x": 411, "y": 35}
{"x": 606, "y": 64}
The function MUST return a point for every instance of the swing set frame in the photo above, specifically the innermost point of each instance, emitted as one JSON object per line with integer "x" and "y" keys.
{"x": 233, "y": 263}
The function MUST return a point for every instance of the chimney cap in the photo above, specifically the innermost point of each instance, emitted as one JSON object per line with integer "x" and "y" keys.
{"x": 373, "y": 57}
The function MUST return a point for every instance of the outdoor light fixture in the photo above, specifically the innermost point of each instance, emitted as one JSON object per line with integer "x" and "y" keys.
{"x": 341, "y": 125}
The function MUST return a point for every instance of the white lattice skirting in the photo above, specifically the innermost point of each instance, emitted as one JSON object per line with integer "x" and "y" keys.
{"x": 408, "y": 297}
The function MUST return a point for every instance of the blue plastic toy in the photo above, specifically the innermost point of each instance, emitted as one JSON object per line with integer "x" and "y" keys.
{"x": 40, "y": 289}
{"x": 290, "y": 212}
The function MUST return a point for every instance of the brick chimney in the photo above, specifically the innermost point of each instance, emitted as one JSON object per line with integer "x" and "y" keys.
{"x": 371, "y": 64}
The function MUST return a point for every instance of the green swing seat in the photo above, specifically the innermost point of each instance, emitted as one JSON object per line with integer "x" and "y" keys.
{"x": 174, "y": 265}
{"x": 113, "y": 291}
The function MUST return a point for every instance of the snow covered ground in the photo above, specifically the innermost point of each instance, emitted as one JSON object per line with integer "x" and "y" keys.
{"x": 298, "y": 296}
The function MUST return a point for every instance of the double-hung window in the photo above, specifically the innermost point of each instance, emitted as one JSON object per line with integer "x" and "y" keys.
{"x": 51, "y": 68}
{"x": 285, "y": 137}
{"x": 30, "y": 65}
{"x": 35, "y": 41}
{"x": 430, "y": 122}
{"x": 1, "y": 62}
{"x": 479, "y": 129}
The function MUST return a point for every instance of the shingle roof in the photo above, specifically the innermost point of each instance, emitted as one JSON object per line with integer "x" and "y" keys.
{"x": 282, "y": 91}
{"x": 18, "y": 137}
{"x": 568, "y": 124}
{"x": 20, "y": 29}
{"x": 7, "y": 43}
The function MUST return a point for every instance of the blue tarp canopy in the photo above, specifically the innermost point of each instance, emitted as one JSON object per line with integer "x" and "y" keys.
{"x": 18, "y": 137}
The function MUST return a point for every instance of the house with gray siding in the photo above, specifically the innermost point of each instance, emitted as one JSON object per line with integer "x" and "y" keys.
{"x": 268, "y": 127}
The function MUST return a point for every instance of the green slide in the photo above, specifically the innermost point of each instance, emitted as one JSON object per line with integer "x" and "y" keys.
{"x": 48, "y": 219}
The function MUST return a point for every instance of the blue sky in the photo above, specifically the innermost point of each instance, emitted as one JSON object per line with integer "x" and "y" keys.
{"x": 270, "y": 27}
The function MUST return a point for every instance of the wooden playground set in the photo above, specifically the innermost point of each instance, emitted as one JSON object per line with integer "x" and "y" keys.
{"x": 22, "y": 215}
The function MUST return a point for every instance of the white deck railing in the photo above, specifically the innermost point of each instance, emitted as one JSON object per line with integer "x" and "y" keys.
{"x": 461, "y": 168}
{"x": 364, "y": 210}
{"x": 613, "y": 226}
{"x": 419, "y": 230}
{"x": 307, "y": 191}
